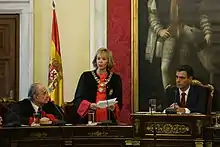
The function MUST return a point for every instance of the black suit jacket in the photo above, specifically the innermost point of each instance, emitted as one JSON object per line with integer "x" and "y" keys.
{"x": 188, "y": 9}
{"x": 87, "y": 89}
{"x": 196, "y": 100}
{"x": 23, "y": 110}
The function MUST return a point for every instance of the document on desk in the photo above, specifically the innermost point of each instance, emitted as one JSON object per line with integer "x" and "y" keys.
{"x": 106, "y": 103}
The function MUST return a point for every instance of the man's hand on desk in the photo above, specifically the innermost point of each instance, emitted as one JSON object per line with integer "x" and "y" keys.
{"x": 181, "y": 110}
{"x": 174, "y": 105}
{"x": 45, "y": 120}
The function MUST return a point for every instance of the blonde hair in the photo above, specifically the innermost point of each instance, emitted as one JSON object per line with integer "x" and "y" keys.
{"x": 109, "y": 56}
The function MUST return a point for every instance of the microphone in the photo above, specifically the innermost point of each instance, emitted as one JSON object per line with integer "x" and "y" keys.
{"x": 175, "y": 97}
{"x": 62, "y": 121}
{"x": 151, "y": 109}
{"x": 58, "y": 109}
{"x": 173, "y": 110}
{"x": 109, "y": 121}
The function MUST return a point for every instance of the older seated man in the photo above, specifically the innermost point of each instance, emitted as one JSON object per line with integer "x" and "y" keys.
{"x": 38, "y": 102}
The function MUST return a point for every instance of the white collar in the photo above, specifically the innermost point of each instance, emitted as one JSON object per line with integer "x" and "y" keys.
{"x": 186, "y": 91}
{"x": 34, "y": 106}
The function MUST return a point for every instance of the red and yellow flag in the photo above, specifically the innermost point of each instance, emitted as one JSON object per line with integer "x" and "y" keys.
{"x": 55, "y": 75}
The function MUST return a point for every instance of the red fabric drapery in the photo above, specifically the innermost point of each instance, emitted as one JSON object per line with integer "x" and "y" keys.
{"x": 119, "y": 42}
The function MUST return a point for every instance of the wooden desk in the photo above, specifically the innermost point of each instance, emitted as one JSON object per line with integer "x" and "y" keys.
{"x": 212, "y": 136}
{"x": 179, "y": 130}
{"x": 66, "y": 136}
{"x": 147, "y": 131}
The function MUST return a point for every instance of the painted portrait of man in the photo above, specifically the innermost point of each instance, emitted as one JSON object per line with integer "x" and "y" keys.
{"x": 173, "y": 33}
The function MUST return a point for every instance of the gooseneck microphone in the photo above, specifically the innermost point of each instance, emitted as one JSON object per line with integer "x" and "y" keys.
{"x": 109, "y": 121}
{"x": 58, "y": 109}
{"x": 175, "y": 97}
{"x": 173, "y": 110}
{"x": 62, "y": 121}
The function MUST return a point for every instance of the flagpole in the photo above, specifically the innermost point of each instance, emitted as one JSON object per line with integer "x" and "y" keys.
{"x": 53, "y": 4}
{"x": 55, "y": 74}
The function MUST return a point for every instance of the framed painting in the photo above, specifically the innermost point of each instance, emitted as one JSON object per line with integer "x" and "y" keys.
{"x": 170, "y": 33}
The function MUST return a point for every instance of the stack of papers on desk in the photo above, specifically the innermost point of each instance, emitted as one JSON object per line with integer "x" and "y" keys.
{"x": 106, "y": 103}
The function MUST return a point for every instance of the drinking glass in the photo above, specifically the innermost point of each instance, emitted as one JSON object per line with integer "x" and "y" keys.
{"x": 36, "y": 121}
{"x": 1, "y": 120}
{"x": 217, "y": 119}
{"x": 152, "y": 105}
{"x": 91, "y": 117}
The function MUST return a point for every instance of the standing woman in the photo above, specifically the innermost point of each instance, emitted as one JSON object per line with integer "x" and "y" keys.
{"x": 98, "y": 85}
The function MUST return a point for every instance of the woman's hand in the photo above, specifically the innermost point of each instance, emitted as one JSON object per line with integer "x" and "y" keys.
{"x": 93, "y": 106}
{"x": 111, "y": 108}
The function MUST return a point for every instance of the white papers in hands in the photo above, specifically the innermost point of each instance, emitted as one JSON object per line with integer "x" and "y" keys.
{"x": 106, "y": 103}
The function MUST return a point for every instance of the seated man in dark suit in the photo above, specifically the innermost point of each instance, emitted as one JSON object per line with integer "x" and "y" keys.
{"x": 185, "y": 97}
{"x": 38, "y": 101}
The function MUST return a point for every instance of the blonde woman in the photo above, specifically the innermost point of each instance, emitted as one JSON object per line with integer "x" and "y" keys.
{"x": 98, "y": 85}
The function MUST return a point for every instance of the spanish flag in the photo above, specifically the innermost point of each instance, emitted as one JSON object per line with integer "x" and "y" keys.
{"x": 55, "y": 74}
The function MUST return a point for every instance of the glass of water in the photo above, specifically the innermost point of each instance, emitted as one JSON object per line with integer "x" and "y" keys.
{"x": 217, "y": 119}
{"x": 1, "y": 120}
{"x": 91, "y": 117}
{"x": 36, "y": 121}
{"x": 152, "y": 105}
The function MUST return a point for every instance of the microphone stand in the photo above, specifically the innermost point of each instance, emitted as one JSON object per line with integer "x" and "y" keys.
{"x": 61, "y": 114}
{"x": 175, "y": 98}
{"x": 62, "y": 121}
{"x": 172, "y": 110}
{"x": 109, "y": 121}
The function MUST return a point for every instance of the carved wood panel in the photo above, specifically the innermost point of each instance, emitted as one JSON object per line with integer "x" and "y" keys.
{"x": 9, "y": 55}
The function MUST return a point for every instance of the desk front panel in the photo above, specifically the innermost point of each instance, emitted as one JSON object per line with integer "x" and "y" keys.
{"x": 66, "y": 136}
{"x": 179, "y": 130}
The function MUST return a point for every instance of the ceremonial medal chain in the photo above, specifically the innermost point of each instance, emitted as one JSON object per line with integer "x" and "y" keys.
{"x": 102, "y": 85}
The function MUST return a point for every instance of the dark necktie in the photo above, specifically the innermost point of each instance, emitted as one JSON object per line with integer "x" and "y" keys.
{"x": 183, "y": 100}
{"x": 39, "y": 111}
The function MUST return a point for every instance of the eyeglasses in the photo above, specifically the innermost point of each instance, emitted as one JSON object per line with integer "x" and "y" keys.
{"x": 43, "y": 93}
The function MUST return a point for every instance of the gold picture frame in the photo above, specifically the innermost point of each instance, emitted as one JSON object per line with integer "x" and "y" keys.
{"x": 134, "y": 53}
{"x": 154, "y": 86}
